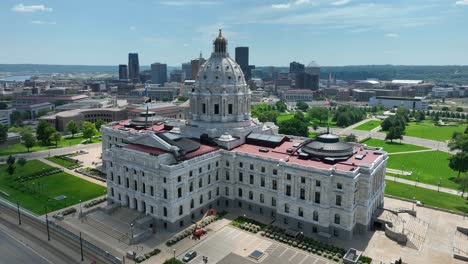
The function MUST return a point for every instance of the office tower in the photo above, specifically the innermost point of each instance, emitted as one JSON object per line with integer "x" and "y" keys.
{"x": 158, "y": 73}
{"x": 309, "y": 78}
{"x": 133, "y": 67}
{"x": 187, "y": 69}
{"x": 123, "y": 72}
{"x": 196, "y": 65}
{"x": 242, "y": 58}
{"x": 177, "y": 76}
{"x": 296, "y": 67}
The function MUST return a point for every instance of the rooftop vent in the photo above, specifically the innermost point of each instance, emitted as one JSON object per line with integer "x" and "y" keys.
{"x": 264, "y": 150}
{"x": 360, "y": 156}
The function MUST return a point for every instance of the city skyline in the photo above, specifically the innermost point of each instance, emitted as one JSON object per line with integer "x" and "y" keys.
{"x": 332, "y": 33}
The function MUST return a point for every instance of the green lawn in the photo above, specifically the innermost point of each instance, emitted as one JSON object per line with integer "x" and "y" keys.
{"x": 284, "y": 117}
{"x": 61, "y": 162}
{"x": 37, "y": 194}
{"x": 65, "y": 142}
{"x": 428, "y": 130}
{"x": 312, "y": 134}
{"x": 429, "y": 197}
{"x": 430, "y": 166}
{"x": 369, "y": 125}
{"x": 391, "y": 147}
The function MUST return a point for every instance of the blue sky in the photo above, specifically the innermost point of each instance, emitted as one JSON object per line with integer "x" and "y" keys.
{"x": 330, "y": 32}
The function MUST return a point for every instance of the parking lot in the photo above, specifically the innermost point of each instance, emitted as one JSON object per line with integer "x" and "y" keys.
{"x": 232, "y": 246}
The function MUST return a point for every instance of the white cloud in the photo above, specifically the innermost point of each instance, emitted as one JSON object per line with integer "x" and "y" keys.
{"x": 189, "y": 3}
{"x": 461, "y": 2}
{"x": 341, "y": 2}
{"x": 132, "y": 28}
{"x": 392, "y": 35}
{"x": 290, "y": 4}
{"x": 41, "y": 22}
{"x": 30, "y": 8}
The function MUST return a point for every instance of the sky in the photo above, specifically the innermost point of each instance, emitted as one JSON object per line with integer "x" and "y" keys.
{"x": 330, "y": 32}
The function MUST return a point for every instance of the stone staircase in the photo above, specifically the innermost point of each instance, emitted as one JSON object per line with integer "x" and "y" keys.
{"x": 416, "y": 229}
{"x": 98, "y": 225}
{"x": 126, "y": 215}
{"x": 460, "y": 244}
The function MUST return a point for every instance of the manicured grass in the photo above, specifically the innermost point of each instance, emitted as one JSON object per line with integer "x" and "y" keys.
{"x": 65, "y": 142}
{"x": 391, "y": 147}
{"x": 428, "y": 130}
{"x": 429, "y": 166}
{"x": 284, "y": 117}
{"x": 61, "y": 162}
{"x": 369, "y": 125}
{"x": 429, "y": 197}
{"x": 39, "y": 193}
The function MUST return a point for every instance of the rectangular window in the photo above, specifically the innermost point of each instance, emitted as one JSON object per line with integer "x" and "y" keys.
{"x": 288, "y": 177}
{"x": 288, "y": 190}
{"x": 152, "y": 191}
{"x": 262, "y": 181}
{"x": 274, "y": 185}
{"x": 204, "y": 108}
{"x": 273, "y": 201}
{"x": 230, "y": 109}
{"x": 241, "y": 164}
{"x": 216, "y": 109}
{"x": 241, "y": 177}
{"x": 338, "y": 200}
{"x": 251, "y": 179}
{"x": 191, "y": 186}
{"x": 339, "y": 186}
{"x": 302, "y": 194}
{"x": 317, "y": 197}
{"x": 227, "y": 176}
{"x": 303, "y": 179}
{"x": 317, "y": 183}
{"x": 251, "y": 166}
{"x": 263, "y": 169}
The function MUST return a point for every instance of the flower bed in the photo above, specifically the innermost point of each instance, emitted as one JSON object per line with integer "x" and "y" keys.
{"x": 65, "y": 212}
{"x": 95, "y": 202}
{"x": 239, "y": 221}
{"x": 308, "y": 244}
{"x": 188, "y": 232}
{"x": 93, "y": 173}
{"x": 39, "y": 174}
{"x": 148, "y": 255}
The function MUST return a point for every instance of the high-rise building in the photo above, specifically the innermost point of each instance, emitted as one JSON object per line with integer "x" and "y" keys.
{"x": 123, "y": 72}
{"x": 242, "y": 58}
{"x": 158, "y": 73}
{"x": 187, "y": 69}
{"x": 296, "y": 67}
{"x": 177, "y": 76}
{"x": 309, "y": 78}
{"x": 196, "y": 65}
{"x": 133, "y": 67}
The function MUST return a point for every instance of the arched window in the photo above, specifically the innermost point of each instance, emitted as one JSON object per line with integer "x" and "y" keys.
{"x": 315, "y": 216}
{"x": 300, "y": 212}
{"x": 337, "y": 219}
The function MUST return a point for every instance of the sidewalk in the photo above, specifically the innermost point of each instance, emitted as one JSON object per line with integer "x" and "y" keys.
{"x": 426, "y": 186}
{"x": 73, "y": 172}
{"x": 53, "y": 152}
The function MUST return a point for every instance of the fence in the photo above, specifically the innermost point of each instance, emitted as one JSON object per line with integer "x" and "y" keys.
{"x": 76, "y": 238}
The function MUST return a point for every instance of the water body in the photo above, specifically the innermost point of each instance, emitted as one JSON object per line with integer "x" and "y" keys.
{"x": 18, "y": 78}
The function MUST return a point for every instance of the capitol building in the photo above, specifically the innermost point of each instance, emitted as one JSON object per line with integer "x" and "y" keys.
{"x": 221, "y": 158}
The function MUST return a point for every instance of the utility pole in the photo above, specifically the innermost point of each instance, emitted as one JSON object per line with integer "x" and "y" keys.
{"x": 47, "y": 223}
{"x": 19, "y": 214}
{"x": 81, "y": 247}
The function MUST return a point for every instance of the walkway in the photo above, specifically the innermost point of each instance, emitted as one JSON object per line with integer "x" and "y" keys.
{"x": 409, "y": 152}
{"x": 72, "y": 172}
{"x": 54, "y": 152}
{"x": 425, "y": 186}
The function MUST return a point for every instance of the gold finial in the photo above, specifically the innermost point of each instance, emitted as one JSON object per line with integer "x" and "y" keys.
{"x": 220, "y": 34}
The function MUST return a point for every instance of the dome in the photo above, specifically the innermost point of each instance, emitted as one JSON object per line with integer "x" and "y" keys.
{"x": 328, "y": 146}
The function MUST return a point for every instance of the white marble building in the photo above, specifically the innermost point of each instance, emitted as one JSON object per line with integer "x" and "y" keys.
{"x": 222, "y": 159}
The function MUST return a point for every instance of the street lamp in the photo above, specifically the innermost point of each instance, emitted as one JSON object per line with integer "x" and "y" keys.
{"x": 131, "y": 231}
{"x": 414, "y": 198}
{"x": 81, "y": 210}
{"x": 174, "y": 253}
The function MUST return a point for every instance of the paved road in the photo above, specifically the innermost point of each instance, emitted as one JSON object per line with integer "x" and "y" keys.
{"x": 53, "y": 152}
{"x": 14, "y": 251}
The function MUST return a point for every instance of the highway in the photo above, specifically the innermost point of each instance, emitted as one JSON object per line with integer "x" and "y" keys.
{"x": 14, "y": 251}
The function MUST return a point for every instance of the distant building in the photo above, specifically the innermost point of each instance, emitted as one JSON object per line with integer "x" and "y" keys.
{"x": 307, "y": 77}
{"x": 296, "y": 67}
{"x": 36, "y": 99}
{"x": 196, "y": 65}
{"x": 123, "y": 72}
{"x": 158, "y": 73}
{"x": 177, "y": 76}
{"x": 242, "y": 58}
{"x": 164, "y": 109}
{"x": 5, "y": 117}
{"x": 133, "y": 67}
{"x": 297, "y": 95}
{"x": 157, "y": 93}
{"x": 390, "y": 102}
{"x": 362, "y": 95}
{"x": 187, "y": 69}
{"x": 34, "y": 110}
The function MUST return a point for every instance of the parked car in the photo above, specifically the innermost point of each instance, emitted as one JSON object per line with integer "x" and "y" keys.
{"x": 189, "y": 256}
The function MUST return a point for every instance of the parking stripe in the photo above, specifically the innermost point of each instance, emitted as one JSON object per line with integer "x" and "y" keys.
{"x": 305, "y": 257}
{"x": 283, "y": 252}
{"x": 289, "y": 260}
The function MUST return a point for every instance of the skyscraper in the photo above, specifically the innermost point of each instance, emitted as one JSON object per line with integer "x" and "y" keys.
{"x": 123, "y": 72}
{"x": 195, "y": 65}
{"x": 187, "y": 69}
{"x": 242, "y": 58}
{"x": 296, "y": 67}
{"x": 158, "y": 73}
{"x": 309, "y": 78}
{"x": 133, "y": 67}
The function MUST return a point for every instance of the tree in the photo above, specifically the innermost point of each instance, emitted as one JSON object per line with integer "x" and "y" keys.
{"x": 73, "y": 127}
{"x": 320, "y": 113}
{"x": 445, "y": 108}
{"x": 22, "y": 162}
{"x": 463, "y": 181}
{"x": 281, "y": 106}
{"x": 394, "y": 133}
{"x": 3, "y": 134}
{"x": 11, "y": 169}
{"x": 459, "y": 142}
{"x": 294, "y": 127}
{"x": 459, "y": 162}
{"x": 350, "y": 138}
{"x": 299, "y": 115}
{"x": 56, "y": 137}
{"x": 28, "y": 140}
{"x": 315, "y": 127}
{"x": 98, "y": 124}
{"x": 303, "y": 106}
{"x": 89, "y": 130}
{"x": 11, "y": 160}
{"x": 44, "y": 131}
{"x": 268, "y": 116}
